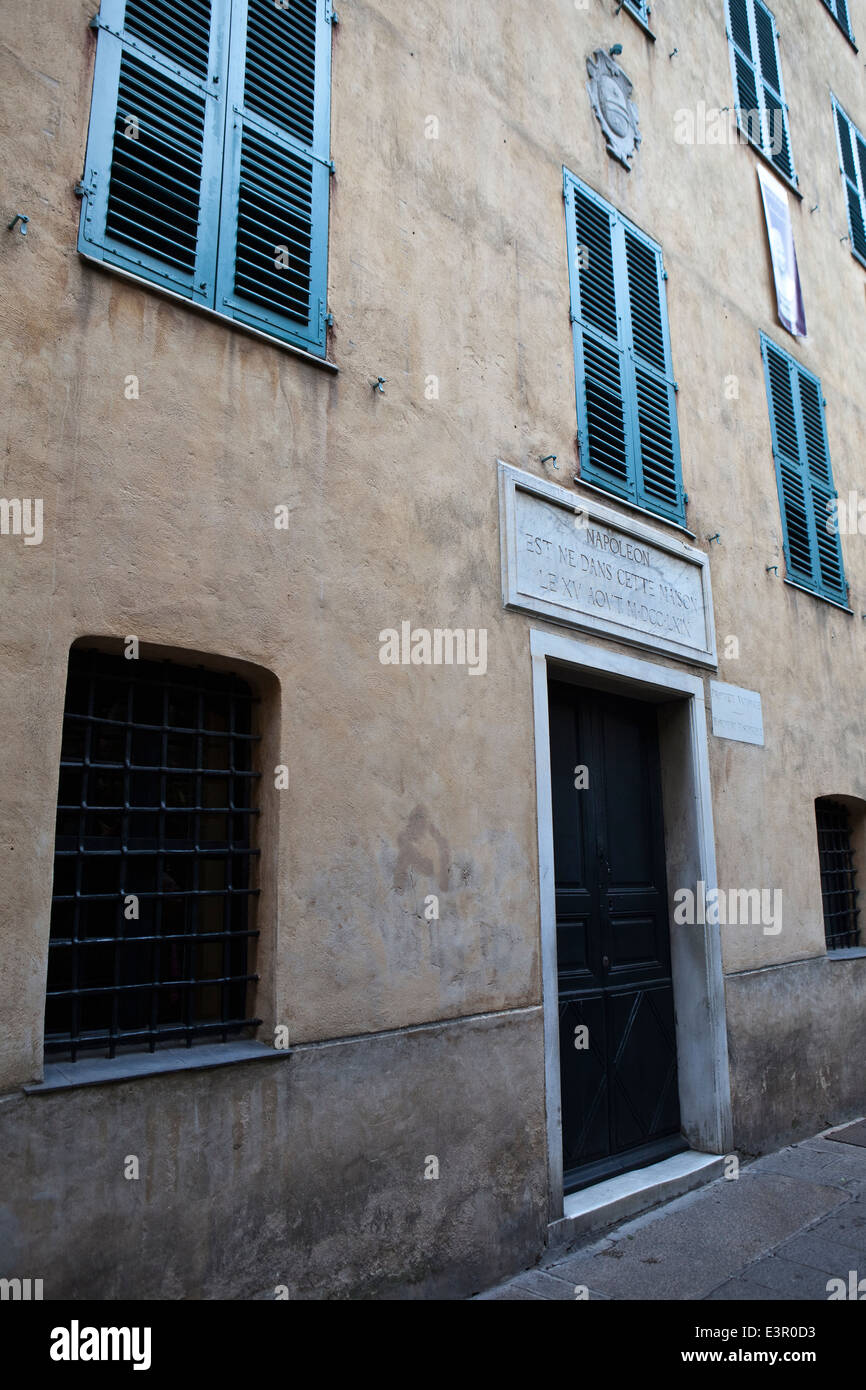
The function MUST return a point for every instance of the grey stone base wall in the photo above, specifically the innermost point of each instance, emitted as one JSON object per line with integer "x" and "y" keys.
{"x": 797, "y": 1046}
{"x": 306, "y": 1171}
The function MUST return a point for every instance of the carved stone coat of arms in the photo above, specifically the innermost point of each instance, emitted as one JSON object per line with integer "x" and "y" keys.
{"x": 610, "y": 93}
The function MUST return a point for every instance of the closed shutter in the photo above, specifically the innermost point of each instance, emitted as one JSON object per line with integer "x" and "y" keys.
{"x": 657, "y": 445}
{"x": 626, "y": 407}
{"x": 762, "y": 114}
{"x": 852, "y": 162}
{"x": 813, "y": 553}
{"x": 152, "y": 170}
{"x": 273, "y": 232}
{"x": 839, "y": 11}
{"x": 640, "y": 8}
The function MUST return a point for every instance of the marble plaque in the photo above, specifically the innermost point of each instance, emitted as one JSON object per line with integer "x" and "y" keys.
{"x": 736, "y": 713}
{"x": 580, "y": 563}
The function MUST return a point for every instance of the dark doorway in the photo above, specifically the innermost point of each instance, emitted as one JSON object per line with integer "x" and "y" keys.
{"x": 617, "y": 1040}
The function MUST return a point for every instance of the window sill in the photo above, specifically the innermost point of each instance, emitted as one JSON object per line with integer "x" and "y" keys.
{"x": 834, "y": 603}
{"x": 783, "y": 178}
{"x": 641, "y": 23}
{"x": 97, "y": 1071}
{"x": 634, "y": 506}
{"x": 847, "y": 953}
{"x": 212, "y": 314}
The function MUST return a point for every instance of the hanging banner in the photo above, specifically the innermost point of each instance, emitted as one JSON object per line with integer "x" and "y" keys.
{"x": 789, "y": 297}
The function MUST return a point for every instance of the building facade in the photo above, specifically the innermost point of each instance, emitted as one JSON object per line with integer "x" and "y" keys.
{"x": 433, "y": 630}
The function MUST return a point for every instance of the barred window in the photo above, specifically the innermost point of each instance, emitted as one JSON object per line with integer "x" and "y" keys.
{"x": 838, "y": 891}
{"x": 154, "y": 852}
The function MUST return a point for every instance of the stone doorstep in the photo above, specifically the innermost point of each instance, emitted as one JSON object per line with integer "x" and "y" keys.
{"x": 607, "y": 1203}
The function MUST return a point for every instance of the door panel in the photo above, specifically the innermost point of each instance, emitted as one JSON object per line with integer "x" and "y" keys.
{"x": 620, "y": 1105}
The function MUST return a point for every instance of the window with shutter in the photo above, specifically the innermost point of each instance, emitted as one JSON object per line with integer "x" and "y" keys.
{"x": 839, "y": 11}
{"x": 626, "y": 407}
{"x": 813, "y": 553}
{"x": 762, "y": 113}
{"x": 641, "y": 11}
{"x": 208, "y": 155}
{"x": 852, "y": 163}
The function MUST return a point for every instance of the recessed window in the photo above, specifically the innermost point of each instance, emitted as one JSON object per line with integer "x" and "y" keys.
{"x": 151, "y": 918}
{"x": 838, "y": 890}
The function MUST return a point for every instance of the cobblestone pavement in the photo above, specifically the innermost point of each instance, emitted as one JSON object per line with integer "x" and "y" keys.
{"x": 791, "y": 1222}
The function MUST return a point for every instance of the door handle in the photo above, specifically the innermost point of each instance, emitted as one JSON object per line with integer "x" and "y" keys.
{"x": 605, "y": 960}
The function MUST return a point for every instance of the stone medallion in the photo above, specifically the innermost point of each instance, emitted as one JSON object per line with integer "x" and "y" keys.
{"x": 610, "y": 93}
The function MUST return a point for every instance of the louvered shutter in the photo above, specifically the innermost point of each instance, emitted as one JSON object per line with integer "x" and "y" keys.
{"x": 273, "y": 229}
{"x": 839, "y": 10}
{"x": 640, "y": 8}
{"x": 761, "y": 111}
{"x": 604, "y": 430}
{"x": 657, "y": 470}
{"x": 813, "y": 553}
{"x": 626, "y": 408}
{"x": 154, "y": 149}
{"x": 852, "y": 156}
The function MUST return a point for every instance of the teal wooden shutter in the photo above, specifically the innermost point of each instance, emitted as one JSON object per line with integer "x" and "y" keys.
{"x": 626, "y": 408}
{"x": 839, "y": 11}
{"x": 852, "y": 162}
{"x": 640, "y": 8}
{"x": 656, "y": 447}
{"x": 813, "y": 553}
{"x": 762, "y": 113}
{"x": 154, "y": 149}
{"x": 273, "y": 228}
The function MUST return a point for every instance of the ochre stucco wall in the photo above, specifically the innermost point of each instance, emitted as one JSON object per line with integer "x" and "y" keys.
{"x": 447, "y": 258}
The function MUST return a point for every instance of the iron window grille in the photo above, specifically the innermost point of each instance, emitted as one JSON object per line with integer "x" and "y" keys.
{"x": 838, "y": 891}
{"x": 150, "y": 917}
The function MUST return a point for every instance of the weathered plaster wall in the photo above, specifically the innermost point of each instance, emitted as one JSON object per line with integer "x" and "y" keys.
{"x": 304, "y": 1171}
{"x": 447, "y": 258}
{"x": 798, "y": 1050}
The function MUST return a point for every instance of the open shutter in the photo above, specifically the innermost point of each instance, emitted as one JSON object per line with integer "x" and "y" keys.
{"x": 762, "y": 114}
{"x": 153, "y": 164}
{"x": 273, "y": 229}
{"x": 852, "y": 157}
{"x": 657, "y": 451}
{"x": 813, "y": 554}
{"x": 603, "y": 425}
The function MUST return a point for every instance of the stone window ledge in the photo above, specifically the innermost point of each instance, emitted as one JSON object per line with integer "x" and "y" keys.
{"x": 847, "y": 953}
{"x": 98, "y": 1071}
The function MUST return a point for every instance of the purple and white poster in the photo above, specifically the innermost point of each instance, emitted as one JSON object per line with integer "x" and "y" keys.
{"x": 789, "y": 296}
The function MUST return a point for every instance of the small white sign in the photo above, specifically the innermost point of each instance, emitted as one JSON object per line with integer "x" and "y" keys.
{"x": 737, "y": 713}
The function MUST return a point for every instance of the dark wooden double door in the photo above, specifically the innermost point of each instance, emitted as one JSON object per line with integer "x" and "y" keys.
{"x": 618, "y": 1069}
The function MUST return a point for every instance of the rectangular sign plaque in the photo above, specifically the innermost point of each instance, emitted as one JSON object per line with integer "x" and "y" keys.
{"x": 736, "y": 713}
{"x": 580, "y": 563}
